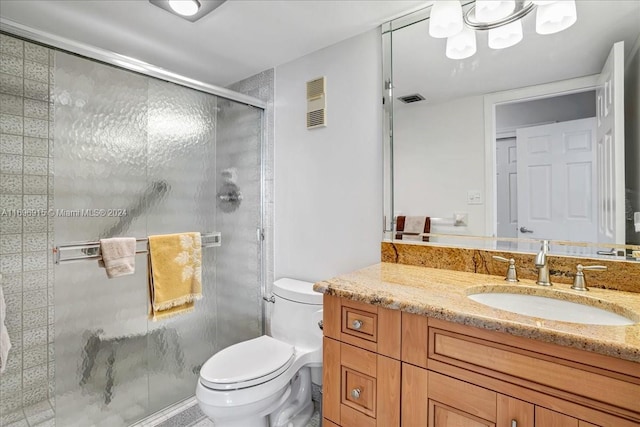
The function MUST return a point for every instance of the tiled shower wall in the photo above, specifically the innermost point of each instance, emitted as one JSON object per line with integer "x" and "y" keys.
{"x": 26, "y": 182}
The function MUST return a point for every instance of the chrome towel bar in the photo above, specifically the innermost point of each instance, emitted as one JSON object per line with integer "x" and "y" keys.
{"x": 90, "y": 251}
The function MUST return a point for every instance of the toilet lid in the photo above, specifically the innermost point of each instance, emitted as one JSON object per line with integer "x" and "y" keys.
{"x": 247, "y": 364}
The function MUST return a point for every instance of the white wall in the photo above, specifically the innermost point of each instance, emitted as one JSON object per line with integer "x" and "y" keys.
{"x": 438, "y": 157}
{"x": 547, "y": 110}
{"x": 328, "y": 181}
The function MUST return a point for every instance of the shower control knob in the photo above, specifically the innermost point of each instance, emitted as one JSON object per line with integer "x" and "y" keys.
{"x": 357, "y": 324}
{"x": 355, "y": 393}
{"x": 321, "y": 324}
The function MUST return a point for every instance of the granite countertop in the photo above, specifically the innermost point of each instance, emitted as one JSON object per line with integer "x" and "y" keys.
{"x": 442, "y": 294}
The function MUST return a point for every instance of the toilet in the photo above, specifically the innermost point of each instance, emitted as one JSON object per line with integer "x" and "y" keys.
{"x": 266, "y": 381}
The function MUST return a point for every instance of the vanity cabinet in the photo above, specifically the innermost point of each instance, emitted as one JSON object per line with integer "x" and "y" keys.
{"x": 456, "y": 375}
{"x": 389, "y": 368}
{"x": 361, "y": 366}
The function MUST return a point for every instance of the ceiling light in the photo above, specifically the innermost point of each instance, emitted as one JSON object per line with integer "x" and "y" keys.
{"x": 501, "y": 18}
{"x": 190, "y": 10}
{"x": 492, "y": 10}
{"x": 185, "y": 7}
{"x": 446, "y": 19}
{"x": 462, "y": 45}
{"x": 555, "y": 17}
{"x": 505, "y": 36}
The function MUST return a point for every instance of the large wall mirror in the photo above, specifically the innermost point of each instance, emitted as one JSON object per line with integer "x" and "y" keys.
{"x": 538, "y": 140}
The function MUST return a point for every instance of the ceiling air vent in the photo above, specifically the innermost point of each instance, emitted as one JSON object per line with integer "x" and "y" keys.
{"x": 316, "y": 103}
{"x": 411, "y": 98}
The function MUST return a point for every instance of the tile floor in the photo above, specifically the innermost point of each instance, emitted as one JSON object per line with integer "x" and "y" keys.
{"x": 186, "y": 415}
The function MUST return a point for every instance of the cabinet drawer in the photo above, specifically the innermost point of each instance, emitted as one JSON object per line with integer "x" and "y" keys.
{"x": 533, "y": 370}
{"x": 359, "y": 323}
{"x": 477, "y": 403}
{"x": 370, "y": 327}
{"x": 359, "y": 391}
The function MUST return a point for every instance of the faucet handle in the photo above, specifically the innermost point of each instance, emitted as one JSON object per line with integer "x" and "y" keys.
{"x": 511, "y": 271}
{"x": 579, "y": 282}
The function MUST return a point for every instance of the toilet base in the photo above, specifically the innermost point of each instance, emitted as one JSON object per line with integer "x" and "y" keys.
{"x": 297, "y": 409}
{"x": 291, "y": 406}
{"x": 255, "y": 414}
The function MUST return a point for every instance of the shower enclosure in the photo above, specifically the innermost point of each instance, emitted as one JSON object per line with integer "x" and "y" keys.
{"x": 136, "y": 156}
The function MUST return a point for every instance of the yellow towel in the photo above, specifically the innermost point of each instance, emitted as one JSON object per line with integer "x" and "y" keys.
{"x": 175, "y": 279}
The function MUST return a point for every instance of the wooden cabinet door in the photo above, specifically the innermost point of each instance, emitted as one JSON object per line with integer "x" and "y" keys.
{"x": 414, "y": 401}
{"x": 514, "y": 412}
{"x": 548, "y": 418}
{"x": 361, "y": 388}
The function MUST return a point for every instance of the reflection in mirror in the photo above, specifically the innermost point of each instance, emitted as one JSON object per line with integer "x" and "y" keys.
{"x": 538, "y": 140}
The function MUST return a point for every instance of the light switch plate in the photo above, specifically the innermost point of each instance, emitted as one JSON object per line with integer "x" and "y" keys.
{"x": 474, "y": 197}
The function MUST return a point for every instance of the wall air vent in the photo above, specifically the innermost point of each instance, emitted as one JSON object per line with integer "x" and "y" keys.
{"x": 316, "y": 103}
{"x": 411, "y": 98}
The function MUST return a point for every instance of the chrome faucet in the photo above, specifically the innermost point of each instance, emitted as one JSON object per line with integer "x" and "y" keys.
{"x": 542, "y": 265}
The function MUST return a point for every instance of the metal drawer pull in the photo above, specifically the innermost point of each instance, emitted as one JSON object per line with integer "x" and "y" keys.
{"x": 357, "y": 324}
{"x": 355, "y": 393}
{"x": 514, "y": 423}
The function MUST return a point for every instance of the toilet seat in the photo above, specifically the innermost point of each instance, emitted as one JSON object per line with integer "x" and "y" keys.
{"x": 247, "y": 364}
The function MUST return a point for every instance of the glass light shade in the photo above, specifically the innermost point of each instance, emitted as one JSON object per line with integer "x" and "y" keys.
{"x": 445, "y": 19}
{"x": 505, "y": 36}
{"x": 555, "y": 17}
{"x": 185, "y": 7}
{"x": 493, "y": 10}
{"x": 461, "y": 45}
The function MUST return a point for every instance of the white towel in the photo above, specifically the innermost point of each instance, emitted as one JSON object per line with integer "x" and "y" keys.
{"x": 414, "y": 224}
{"x": 5, "y": 342}
{"x": 118, "y": 256}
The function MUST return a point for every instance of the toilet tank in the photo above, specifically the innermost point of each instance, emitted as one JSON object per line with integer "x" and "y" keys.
{"x": 296, "y": 313}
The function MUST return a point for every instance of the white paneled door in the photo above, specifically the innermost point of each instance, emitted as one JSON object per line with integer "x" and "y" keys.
{"x": 506, "y": 181}
{"x": 557, "y": 191}
{"x": 610, "y": 148}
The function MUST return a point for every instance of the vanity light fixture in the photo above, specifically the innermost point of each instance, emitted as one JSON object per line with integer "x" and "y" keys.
{"x": 505, "y": 36}
{"x": 446, "y": 19}
{"x": 553, "y": 17}
{"x": 462, "y": 45}
{"x": 492, "y": 10}
{"x": 501, "y": 18}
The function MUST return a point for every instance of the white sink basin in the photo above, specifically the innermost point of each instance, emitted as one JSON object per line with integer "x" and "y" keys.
{"x": 550, "y": 308}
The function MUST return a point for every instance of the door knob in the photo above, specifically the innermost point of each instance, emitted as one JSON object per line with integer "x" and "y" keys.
{"x": 525, "y": 230}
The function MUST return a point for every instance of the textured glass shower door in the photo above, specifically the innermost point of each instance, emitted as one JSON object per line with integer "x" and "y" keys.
{"x": 168, "y": 155}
